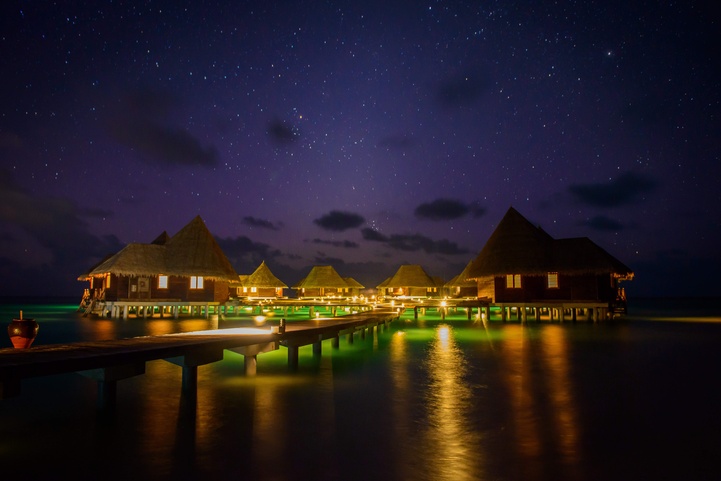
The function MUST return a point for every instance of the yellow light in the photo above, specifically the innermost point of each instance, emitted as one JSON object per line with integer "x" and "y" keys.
{"x": 259, "y": 320}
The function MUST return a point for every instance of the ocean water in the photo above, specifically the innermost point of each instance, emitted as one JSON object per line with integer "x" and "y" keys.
{"x": 428, "y": 399}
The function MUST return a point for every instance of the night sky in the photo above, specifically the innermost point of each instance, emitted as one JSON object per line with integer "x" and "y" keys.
{"x": 364, "y": 135}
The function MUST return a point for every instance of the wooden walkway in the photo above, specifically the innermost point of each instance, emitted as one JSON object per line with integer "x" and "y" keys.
{"x": 113, "y": 360}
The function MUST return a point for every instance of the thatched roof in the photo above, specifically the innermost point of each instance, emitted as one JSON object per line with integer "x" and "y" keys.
{"x": 581, "y": 255}
{"x": 352, "y": 283}
{"x": 162, "y": 239}
{"x": 194, "y": 252}
{"x": 461, "y": 280}
{"x": 134, "y": 260}
{"x": 384, "y": 284}
{"x": 262, "y": 277}
{"x": 241, "y": 281}
{"x": 519, "y": 247}
{"x": 320, "y": 277}
{"x": 191, "y": 252}
{"x": 411, "y": 275}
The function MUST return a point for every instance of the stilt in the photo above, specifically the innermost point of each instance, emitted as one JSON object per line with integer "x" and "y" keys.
{"x": 250, "y": 365}
{"x": 292, "y": 357}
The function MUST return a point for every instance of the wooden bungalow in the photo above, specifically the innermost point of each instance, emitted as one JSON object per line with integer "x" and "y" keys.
{"x": 411, "y": 281}
{"x": 521, "y": 263}
{"x": 190, "y": 266}
{"x": 354, "y": 287}
{"x": 260, "y": 284}
{"x": 321, "y": 281}
{"x": 460, "y": 288}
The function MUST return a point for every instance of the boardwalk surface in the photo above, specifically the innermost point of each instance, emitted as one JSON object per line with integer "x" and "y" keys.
{"x": 192, "y": 348}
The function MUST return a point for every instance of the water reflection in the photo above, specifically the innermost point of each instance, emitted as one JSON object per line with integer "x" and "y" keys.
{"x": 541, "y": 401}
{"x": 449, "y": 437}
{"x": 563, "y": 408}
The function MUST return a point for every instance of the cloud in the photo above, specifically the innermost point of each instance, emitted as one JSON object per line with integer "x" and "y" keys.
{"x": 339, "y": 221}
{"x": 462, "y": 89}
{"x": 601, "y": 222}
{"x": 323, "y": 260}
{"x": 260, "y": 223}
{"x": 46, "y": 242}
{"x": 142, "y": 124}
{"x": 413, "y": 242}
{"x": 447, "y": 209}
{"x": 623, "y": 190}
{"x": 345, "y": 243}
{"x": 281, "y": 132}
{"x": 246, "y": 254}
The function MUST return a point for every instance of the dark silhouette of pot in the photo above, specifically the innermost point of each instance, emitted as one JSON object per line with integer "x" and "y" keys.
{"x": 22, "y": 332}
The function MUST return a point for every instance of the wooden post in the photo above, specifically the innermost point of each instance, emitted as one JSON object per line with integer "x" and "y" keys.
{"x": 250, "y": 365}
{"x": 335, "y": 342}
{"x": 189, "y": 387}
{"x": 292, "y": 357}
{"x": 317, "y": 348}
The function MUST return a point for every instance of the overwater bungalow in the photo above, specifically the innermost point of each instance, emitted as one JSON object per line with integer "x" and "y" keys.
{"x": 321, "y": 281}
{"x": 262, "y": 283}
{"x": 354, "y": 287}
{"x": 460, "y": 288}
{"x": 187, "y": 267}
{"x": 411, "y": 281}
{"x": 521, "y": 263}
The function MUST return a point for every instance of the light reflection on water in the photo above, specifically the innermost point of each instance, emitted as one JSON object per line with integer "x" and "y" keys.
{"x": 449, "y": 435}
{"x": 449, "y": 400}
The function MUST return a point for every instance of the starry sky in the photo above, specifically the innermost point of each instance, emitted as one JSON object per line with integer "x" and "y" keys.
{"x": 364, "y": 135}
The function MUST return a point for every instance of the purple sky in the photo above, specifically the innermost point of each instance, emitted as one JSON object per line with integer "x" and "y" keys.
{"x": 364, "y": 135}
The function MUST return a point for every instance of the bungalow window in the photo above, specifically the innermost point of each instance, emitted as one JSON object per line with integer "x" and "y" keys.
{"x": 513, "y": 281}
{"x": 245, "y": 290}
{"x": 253, "y": 289}
{"x": 162, "y": 282}
{"x": 553, "y": 280}
{"x": 196, "y": 282}
{"x": 107, "y": 281}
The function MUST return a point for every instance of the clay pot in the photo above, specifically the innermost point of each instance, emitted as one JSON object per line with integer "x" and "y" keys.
{"x": 22, "y": 332}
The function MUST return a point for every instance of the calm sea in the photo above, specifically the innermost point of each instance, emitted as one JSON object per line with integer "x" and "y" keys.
{"x": 636, "y": 399}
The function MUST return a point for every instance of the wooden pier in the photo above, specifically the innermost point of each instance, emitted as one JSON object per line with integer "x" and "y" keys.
{"x": 113, "y": 360}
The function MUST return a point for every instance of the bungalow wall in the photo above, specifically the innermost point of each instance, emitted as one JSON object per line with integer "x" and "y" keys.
{"x": 319, "y": 292}
{"x": 570, "y": 288}
{"x": 142, "y": 288}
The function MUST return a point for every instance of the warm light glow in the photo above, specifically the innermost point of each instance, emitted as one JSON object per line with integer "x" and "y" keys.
{"x": 224, "y": 332}
{"x": 259, "y": 320}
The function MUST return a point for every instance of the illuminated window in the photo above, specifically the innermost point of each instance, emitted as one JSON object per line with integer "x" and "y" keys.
{"x": 253, "y": 289}
{"x": 513, "y": 281}
{"x": 162, "y": 282}
{"x": 107, "y": 281}
{"x": 245, "y": 289}
{"x": 553, "y": 280}
{"x": 196, "y": 282}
